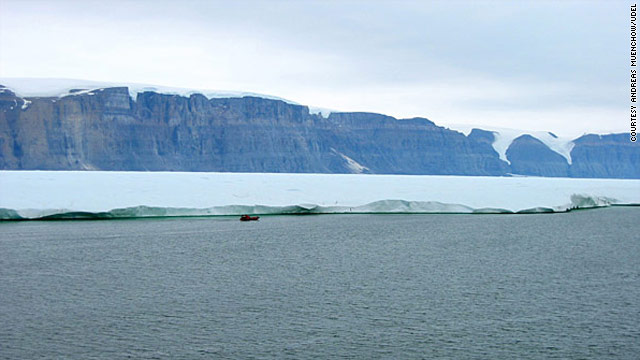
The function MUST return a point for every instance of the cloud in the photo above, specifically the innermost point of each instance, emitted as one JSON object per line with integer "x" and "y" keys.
{"x": 450, "y": 61}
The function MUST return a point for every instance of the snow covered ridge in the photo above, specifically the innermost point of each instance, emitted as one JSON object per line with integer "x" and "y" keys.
{"x": 36, "y": 87}
{"x": 105, "y": 195}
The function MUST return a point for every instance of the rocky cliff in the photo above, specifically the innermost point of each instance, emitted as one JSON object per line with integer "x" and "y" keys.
{"x": 605, "y": 156}
{"x": 107, "y": 129}
{"x": 530, "y": 156}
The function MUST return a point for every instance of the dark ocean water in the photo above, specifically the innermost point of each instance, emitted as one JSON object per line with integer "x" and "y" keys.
{"x": 561, "y": 286}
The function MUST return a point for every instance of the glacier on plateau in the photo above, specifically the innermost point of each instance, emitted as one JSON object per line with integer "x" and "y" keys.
{"x": 50, "y": 87}
{"x": 505, "y": 136}
{"x": 97, "y": 194}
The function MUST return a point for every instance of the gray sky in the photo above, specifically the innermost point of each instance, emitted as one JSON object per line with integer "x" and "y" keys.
{"x": 561, "y": 66}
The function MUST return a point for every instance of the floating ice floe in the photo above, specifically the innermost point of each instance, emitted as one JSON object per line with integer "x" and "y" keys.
{"x": 97, "y": 194}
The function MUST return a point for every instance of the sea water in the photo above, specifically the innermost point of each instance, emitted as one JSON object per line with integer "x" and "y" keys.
{"x": 324, "y": 286}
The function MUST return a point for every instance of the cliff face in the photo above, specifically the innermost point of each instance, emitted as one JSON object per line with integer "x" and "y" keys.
{"x": 105, "y": 129}
{"x": 529, "y": 156}
{"x": 605, "y": 156}
{"x": 409, "y": 146}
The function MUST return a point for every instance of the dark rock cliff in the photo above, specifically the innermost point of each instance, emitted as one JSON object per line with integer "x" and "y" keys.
{"x": 105, "y": 129}
{"x": 605, "y": 156}
{"x": 529, "y": 156}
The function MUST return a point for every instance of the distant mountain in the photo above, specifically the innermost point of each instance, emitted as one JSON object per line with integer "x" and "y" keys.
{"x": 88, "y": 127}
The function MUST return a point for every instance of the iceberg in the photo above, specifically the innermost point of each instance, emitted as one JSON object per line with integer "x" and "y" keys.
{"x": 105, "y": 195}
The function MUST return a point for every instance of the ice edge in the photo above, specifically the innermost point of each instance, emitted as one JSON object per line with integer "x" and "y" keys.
{"x": 577, "y": 201}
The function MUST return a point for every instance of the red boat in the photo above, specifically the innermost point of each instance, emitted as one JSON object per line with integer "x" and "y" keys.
{"x": 248, "y": 218}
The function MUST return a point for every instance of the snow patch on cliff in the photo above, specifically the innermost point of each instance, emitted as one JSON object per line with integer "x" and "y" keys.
{"x": 354, "y": 166}
{"x": 324, "y": 112}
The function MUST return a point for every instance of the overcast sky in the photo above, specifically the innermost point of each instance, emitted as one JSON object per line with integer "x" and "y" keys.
{"x": 561, "y": 66}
